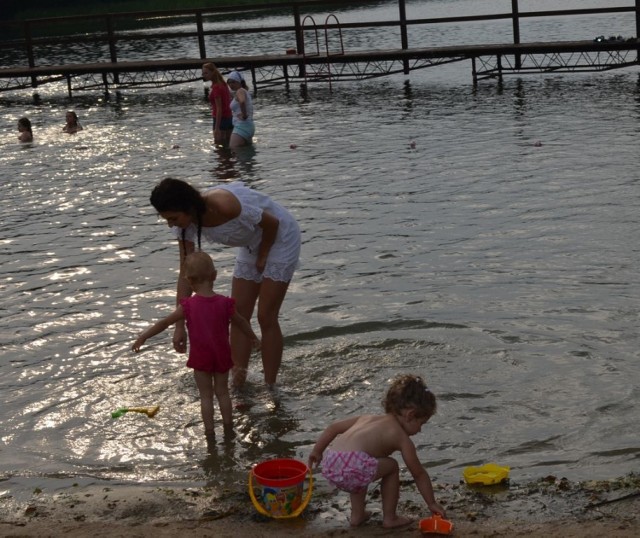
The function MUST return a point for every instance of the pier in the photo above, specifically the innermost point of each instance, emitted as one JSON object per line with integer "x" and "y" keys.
{"x": 310, "y": 50}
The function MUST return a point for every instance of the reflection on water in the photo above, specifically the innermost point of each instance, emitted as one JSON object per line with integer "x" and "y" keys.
{"x": 233, "y": 165}
{"x": 498, "y": 268}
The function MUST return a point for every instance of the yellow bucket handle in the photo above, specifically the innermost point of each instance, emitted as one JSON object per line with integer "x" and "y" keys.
{"x": 295, "y": 513}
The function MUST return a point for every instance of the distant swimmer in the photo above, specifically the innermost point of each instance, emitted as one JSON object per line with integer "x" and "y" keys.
{"x": 24, "y": 128}
{"x": 73, "y": 125}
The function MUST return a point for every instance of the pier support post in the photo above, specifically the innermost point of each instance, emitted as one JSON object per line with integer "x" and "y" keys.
{"x": 515, "y": 13}
{"x": 112, "y": 47}
{"x": 299, "y": 38}
{"x": 254, "y": 81}
{"x": 285, "y": 73}
{"x": 403, "y": 33}
{"x": 638, "y": 27}
{"x": 29, "y": 46}
{"x": 200, "y": 26}
{"x": 105, "y": 81}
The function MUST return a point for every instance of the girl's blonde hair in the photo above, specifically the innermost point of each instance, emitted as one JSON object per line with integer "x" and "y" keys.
{"x": 217, "y": 76}
{"x": 199, "y": 266}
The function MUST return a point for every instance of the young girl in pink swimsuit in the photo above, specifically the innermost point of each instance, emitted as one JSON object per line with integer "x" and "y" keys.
{"x": 362, "y": 446}
{"x": 208, "y": 316}
{"x": 220, "y": 100}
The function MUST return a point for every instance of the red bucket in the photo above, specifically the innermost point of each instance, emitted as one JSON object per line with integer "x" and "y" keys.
{"x": 281, "y": 484}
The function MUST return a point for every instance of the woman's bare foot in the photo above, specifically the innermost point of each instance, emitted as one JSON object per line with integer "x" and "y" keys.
{"x": 238, "y": 377}
{"x": 397, "y": 521}
{"x": 357, "y": 521}
{"x": 229, "y": 432}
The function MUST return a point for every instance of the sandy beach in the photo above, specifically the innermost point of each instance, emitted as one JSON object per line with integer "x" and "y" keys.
{"x": 550, "y": 506}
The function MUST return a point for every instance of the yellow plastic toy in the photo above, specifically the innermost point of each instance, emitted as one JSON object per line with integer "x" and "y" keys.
{"x": 435, "y": 525}
{"x": 149, "y": 411}
{"x": 487, "y": 474}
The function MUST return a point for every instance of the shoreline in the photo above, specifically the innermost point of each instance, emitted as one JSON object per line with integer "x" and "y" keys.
{"x": 546, "y": 507}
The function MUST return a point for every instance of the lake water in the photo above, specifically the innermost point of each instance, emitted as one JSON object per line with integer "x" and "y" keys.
{"x": 497, "y": 258}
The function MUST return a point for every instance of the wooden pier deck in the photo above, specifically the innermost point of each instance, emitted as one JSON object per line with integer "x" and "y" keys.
{"x": 267, "y": 70}
{"x": 487, "y": 61}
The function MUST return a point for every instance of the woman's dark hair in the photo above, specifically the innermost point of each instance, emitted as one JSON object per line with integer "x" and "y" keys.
{"x": 177, "y": 195}
{"x": 25, "y": 123}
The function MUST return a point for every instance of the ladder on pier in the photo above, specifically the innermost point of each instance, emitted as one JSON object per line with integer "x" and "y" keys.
{"x": 314, "y": 72}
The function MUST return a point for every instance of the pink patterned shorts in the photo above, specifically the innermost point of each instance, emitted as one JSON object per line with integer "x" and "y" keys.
{"x": 349, "y": 471}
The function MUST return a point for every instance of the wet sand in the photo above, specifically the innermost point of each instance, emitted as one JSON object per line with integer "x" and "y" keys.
{"x": 550, "y": 506}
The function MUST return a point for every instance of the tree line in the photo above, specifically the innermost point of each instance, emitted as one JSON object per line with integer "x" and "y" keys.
{"x": 38, "y": 9}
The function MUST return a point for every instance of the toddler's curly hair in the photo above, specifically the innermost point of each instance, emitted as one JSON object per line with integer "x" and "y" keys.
{"x": 410, "y": 392}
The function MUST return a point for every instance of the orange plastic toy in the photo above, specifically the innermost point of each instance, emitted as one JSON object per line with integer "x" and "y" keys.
{"x": 435, "y": 525}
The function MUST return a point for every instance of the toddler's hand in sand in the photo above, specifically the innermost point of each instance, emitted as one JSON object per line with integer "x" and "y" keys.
{"x": 437, "y": 509}
{"x": 137, "y": 344}
{"x": 313, "y": 461}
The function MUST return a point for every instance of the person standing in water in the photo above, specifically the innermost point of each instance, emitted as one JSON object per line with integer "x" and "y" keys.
{"x": 220, "y": 100}
{"x": 242, "y": 110}
{"x": 208, "y": 316}
{"x": 268, "y": 240}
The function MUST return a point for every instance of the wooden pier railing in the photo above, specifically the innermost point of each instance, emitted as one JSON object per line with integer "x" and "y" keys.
{"x": 21, "y": 42}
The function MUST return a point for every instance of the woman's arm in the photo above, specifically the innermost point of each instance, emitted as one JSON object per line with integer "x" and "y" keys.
{"x": 269, "y": 225}
{"x": 241, "y": 97}
{"x": 183, "y": 289}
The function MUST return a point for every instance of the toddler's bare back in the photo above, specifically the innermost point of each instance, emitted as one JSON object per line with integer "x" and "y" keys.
{"x": 377, "y": 435}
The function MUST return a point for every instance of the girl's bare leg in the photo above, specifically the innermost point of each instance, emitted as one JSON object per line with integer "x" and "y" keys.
{"x": 358, "y": 504}
{"x": 389, "y": 471}
{"x": 204, "y": 382}
{"x": 221, "y": 390}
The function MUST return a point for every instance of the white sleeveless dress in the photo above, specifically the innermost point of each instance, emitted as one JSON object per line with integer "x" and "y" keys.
{"x": 245, "y": 233}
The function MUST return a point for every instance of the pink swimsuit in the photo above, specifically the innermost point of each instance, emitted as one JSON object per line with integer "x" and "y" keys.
{"x": 349, "y": 471}
{"x": 208, "y": 321}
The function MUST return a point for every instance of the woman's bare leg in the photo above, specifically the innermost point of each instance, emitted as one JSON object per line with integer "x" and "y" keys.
{"x": 270, "y": 295}
{"x": 270, "y": 300}
{"x": 245, "y": 292}
{"x": 236, "y": 141}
